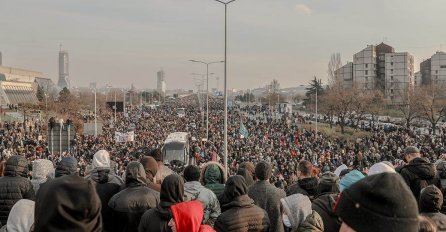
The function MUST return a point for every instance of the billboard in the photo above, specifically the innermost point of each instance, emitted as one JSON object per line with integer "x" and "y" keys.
{"x": 119, "y": 106}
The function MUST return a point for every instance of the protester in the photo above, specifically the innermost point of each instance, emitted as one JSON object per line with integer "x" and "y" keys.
{"x": 298, "y": 215}
{"x": 14, "y": 186}
{"x": 157, "y": 219}
{"x": 213, "y": 177}
{"x": 418, "y": 173}
{"x": 381, "y": 202}
{"x": 163, "y": 171}
{"x": 101, "y": 169}
{"x": 195, "y": 191}
{"x": 239, "y": 213}
{"x": 21, "y": 217}
{"x": 187, "y": 217}
{"x": 306, "y": 183}
{"x": 431, "y": 202}
{"x": 68, "y": 203}
{"x": 151, "y": 167}
{"x": 43, "y": 170}
{"x": 130, "y": 204}
{"x": 266, "y": 196}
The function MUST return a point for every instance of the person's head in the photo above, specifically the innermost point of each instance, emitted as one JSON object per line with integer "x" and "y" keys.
{"x": 43, "y": 169}
{"x": 101, "y": 160}
{"x": 304, "y": 169}
{"x": 21, "y": 216}
{"x": 186, "y": 216}
{"x": 150, "y": 166}
{"x": 68, "y": 203}
{"x": 381, "y": 202}
{"x": 172, "y": 189}
{"x": 431, "y": 199}
{"x": 67, "y": 166}
{"x": 191, "y": 173}
{"x": 263, "y": 170}
{"x": 349, "y": 179}
{"x": 328, "y": 183}
{"x": 16, "y": 165}
{"x": 380, "y": 168}
{"x": 135, "y": 173}
{"x": 235, "y": 187}
{"x": 157, "y": 155}
{"x": 411, "y": 153}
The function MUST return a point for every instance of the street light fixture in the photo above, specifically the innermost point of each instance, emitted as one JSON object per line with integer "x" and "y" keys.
{"x": 225, "y": 90}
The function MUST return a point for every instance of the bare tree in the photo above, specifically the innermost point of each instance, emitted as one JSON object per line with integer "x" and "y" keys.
{"x": 432, "y": 104}
{"x": 340, "y": 103}
{"x": 334, "y": 64}
{"x": 408, "y": 104}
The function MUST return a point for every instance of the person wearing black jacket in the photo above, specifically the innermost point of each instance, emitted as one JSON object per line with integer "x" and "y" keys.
{"x": 306, "y": 183}
{"x": 14, "y": 186}
{"x": 157, "y": 219}
{"x": 129, "y": 204}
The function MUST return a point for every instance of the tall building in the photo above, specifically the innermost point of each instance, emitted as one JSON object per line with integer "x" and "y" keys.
{"x": 438, "y": 68}
{"x": 399, "y": 75}
{"x": 417, "y": 81}
{"x": 381, "y": 50}
{"x": 161, "y": 83}
{"x": 344, "y": 75}
{"x": 364, "y": 68}
{"x": 64, "y": 81}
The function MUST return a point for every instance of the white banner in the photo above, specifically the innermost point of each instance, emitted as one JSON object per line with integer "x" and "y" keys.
{"x": 121, "y": 137}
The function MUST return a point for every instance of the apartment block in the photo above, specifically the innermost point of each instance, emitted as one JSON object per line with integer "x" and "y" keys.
{"x": 344, "y": 75}
{"x": 399, "y": 75}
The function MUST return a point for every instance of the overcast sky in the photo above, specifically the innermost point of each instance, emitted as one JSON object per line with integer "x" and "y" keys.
{"x": 125, "y": 42}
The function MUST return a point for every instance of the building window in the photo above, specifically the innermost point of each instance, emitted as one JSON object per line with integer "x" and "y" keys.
{"x": 366, "y": 65}
{"x": 442, "y": 66}
{"x": 391, "y": 78}
{"x": 366, "y": 72}
{"x": 436, "y": 71}
{"x": 391, "y": 91}
{"x": 391, "y": 63}
{"x": 415, "y": 82}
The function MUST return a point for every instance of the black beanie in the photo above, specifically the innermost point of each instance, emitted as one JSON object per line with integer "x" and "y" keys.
{"x": 380, "y": 202}
{"x": 263, "y": 170}
{"x": 431, "y": 199}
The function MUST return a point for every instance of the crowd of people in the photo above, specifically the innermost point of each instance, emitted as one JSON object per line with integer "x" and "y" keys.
{"x": 280, "y": 176}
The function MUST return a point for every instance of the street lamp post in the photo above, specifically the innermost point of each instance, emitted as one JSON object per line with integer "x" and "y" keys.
{"x": 225, "y": 89}
{"x": 207, "y": 91}
{"x": 95, "y": 117}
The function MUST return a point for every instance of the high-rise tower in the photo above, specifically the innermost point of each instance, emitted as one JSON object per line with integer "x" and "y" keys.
{"x": 63, "y": 70}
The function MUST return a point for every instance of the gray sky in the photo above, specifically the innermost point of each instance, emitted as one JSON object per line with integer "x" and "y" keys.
{"x": 125, "y": 42}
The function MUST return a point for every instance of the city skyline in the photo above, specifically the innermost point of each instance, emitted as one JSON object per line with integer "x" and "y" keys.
{"x": 118, "y": 43}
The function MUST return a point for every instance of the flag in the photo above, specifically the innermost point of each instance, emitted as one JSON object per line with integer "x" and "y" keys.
{"x": 243, "y": 131}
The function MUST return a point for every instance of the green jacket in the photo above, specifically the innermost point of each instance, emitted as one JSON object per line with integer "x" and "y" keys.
{"x": 313, "y": 223}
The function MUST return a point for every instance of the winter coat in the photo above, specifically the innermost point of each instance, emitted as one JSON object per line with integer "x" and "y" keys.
{"x": 43, "y": 170}
{"x": 213, "y": 177}
{"x": 418, "y": 174}
{"x": 67, "y": 166}
{"x": 157, "y": 219}
{"x": 68, "y": 203}
{"x": 193, "y": 190}
{"x": 313, "y": 223}
{"x": 130, "y": 204}
{"x": 267, "y": 197}
{"x": 306, "y": 186}
{"x": 296, "y": 207}
{"x": 14, "y": 186}
{"x": 239, "y": 211}
{"x": 21, "y": 217}
{"x": 106, "y": 189}
{"x": 323, "y": 205}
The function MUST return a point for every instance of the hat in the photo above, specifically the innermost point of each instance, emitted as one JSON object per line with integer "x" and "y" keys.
{"x": 263, "y": 170}
{"x": 431, "y": 199}
{"x": 101, "y": 159}
{"x": 349, "y": 179}
{"x": 67, "y": 166}
{"x": 380, "y": 168}
{"x": 329, "y": 178}
{"x": 381, "y": 202}
{"x": 411, "y": 150}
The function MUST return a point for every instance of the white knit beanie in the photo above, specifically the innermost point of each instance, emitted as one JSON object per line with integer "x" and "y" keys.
{"x": 101, "y": 159}
{"x": 380, "y": 168}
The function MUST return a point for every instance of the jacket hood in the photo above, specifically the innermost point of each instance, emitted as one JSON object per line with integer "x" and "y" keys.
{"x": 42, "y": 170}
{"x": 235, "y": 187}
{"x": 188, "y": 216}
{"x": 68, "y": 203}
{"x": 431, "y": 199}
{"x": 213, "y": 173}
{"x": 297, "y": 207}
{"x": 263, "y": 170}
{"x": 240, "y": 202}
{"x": 150, "y": 166}
{"x": 16, "y": 165}
{"x": 327, "y": 202}
{"x": 101, "y": 159}
{"x": 172, "y": 189}
{"x": 247, "y": 175}
{"x": 309, "y": 184}
{"x": 421, "y": 168}
{"x": 67, "y": 166}
{"x": 135, "y": 174}
{"x": 21, "y": 216}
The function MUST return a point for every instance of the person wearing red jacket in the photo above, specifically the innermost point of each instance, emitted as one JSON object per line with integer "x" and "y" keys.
{"x": 187, "y": 217}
